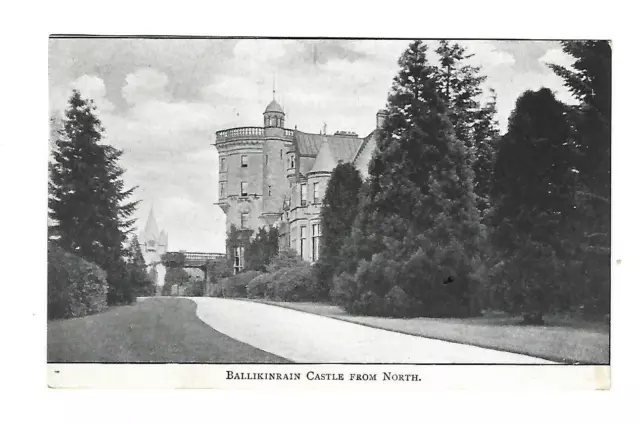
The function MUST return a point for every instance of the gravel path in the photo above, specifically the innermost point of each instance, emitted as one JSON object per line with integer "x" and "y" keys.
{"x": 309, "y": 338}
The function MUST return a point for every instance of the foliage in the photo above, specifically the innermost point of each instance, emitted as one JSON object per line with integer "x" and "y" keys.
{"x": 296, "y": 284}
{"x": 338, "y": 212}
{"x": 261, "y": 249}
{"x": 258, "y": 288}
{"x": 287, "y": 258}
{"x": 174, "y": 276}
{"x": 75, "y": 287}
{"x": 218, "y": 269}
{"x": 87, "y": 200}
{"x": 235, "y": 286}
{"x": 419, "y": 197}
{"x": 174, "y": 260}
{"x": 533, "y": 197}
{"x": 195, "y": 287}
{"x": 237, "y": 238}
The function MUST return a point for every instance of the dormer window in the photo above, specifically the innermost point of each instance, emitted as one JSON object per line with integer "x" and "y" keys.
{"x": 243, "y": 161}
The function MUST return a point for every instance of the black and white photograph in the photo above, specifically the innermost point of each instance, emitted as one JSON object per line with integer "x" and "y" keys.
{"x": 266, "y": 203}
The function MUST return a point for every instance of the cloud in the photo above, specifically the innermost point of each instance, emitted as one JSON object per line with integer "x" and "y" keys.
{"x": 557, "y": 57}
{"x": 144, "y": 85}
{"x": 89, "y": 86}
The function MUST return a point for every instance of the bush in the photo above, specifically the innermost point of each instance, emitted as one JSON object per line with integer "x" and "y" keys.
{"x": 287, "y": 258}
{"x": 75, "y": 287}
{"x": 259, "y": 286}
{"x": 216, "y": 290}
{"x": 344, "y": 290}
{"x": 369, "y": 303}
{"x": 397, "y": 304}
{"x": 296, "y": 284}
{"x": 236, "y": 285}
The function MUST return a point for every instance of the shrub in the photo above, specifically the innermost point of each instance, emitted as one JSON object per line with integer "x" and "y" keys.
{"x": 75, "y": 287}
{"x": 216, "y": 290}
{"x": 397, "y": 303}
{"x": 287, "y": 258}
{"x": 259, "y": 286}
{"x": 236, "y": 285}
{"x": 296, "y": 284}
{"x": 344, "y": 291}
{"x": 369, "y": 303}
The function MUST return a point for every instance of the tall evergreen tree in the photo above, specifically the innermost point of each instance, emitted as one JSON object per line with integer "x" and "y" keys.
{"x": 87, "y": 200}
{"x": 421, "y": 185}
{"x": 485, "y": 137}
{"x": 338, "y": 212}
{"x": 533, "y": 201}
{"x": 459, "y": 84}
{"x": 589, "y": 79}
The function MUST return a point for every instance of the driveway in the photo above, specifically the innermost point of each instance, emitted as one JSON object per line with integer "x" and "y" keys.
{"x": 308, "y": 338}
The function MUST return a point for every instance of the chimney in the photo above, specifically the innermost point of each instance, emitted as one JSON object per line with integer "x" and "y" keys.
{"x": 380, "y": 117}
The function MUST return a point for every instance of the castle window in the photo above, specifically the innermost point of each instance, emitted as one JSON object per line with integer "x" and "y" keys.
{"x": 292, "y": 161}
{"x": 303, "y": 195}
{"x": 238, "y": 259}
{"x": 244, "y": 220}
{"x": 223, "y": 165}
{"x": 269, "y": 190}
{"x": 316, "y": 193}
{"x": 303, "y": 238}
{"x": 243, "y": 161}
{"x": 243, "y": 188}
{"x": 266, "y": 159}
{"x": 315, "y": 234}
{"x": 223, "y": 189}
{"x": 280, "y": 154}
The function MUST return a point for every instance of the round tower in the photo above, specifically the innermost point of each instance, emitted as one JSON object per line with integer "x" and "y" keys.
{"x": 277, "y": 142}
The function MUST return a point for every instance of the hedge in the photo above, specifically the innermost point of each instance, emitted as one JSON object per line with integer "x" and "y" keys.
{"x": 234, "y": 286}
{"x": 75, "y": 287}
{"x": 290, "y": 284}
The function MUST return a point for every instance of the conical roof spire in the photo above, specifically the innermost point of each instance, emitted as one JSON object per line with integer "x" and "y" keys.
{"x": 151, "y": 231}
{"x": 325, "y": 161}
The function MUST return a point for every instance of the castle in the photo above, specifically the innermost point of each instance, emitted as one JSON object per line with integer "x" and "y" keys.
{"x": 154, "y": 243}
{"x": 275, "y": 176}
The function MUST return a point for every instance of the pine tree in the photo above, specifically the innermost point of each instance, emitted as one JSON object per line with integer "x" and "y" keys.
{"x": 533, "y": 201}
{"x": 459, "y": 85}
{"x": 485, "y": 137}
{"x": 87, "y": 201}
{"x": 421, "y": 185}
{"x": 338, "y": 212}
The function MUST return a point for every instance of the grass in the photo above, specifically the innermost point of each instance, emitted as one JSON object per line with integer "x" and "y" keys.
{"x": 560, "y": 339}
{"x": 154, "y": 330}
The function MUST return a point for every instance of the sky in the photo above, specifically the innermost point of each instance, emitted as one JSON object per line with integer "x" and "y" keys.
{"x": 162, "y": 100}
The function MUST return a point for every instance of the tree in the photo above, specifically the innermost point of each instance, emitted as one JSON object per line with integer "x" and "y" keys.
{"x": 589, "y": 79}
{"x": 420, "y": 191}
{"x": 261, "y": 249}
{"x": 460, "y": 85}
{"x": 533, "y": 200}
{"x": 87, "y": 201}
{"x": 338, "y": 212}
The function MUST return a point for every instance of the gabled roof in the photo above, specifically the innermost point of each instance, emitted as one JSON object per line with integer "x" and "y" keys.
{"x": 342, "y": 147}
{"x": 325, "y": 162}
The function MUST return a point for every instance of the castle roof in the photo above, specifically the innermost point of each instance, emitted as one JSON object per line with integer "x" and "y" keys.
{"x": 325, "y": 162}
{"x": 343, "y": 148}
{"x": 274, "y": 107}
{"x": 151, "y": 231}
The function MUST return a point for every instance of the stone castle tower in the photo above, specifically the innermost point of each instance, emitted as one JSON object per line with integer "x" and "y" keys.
{"x": 274, "y": 176}
{"x": 154, "y": 243}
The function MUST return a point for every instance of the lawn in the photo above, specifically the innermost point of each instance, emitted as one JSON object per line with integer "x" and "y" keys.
{"x": 560, "y": 340}
{"x": 153, "y": 330}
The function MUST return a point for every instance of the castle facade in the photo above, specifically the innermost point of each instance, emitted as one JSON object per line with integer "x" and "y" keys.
{"x": 275, "y": 176}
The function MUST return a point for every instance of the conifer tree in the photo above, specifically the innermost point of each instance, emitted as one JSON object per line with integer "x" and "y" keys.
{"x": 338, "y": 212}
{"x": 589, "y": 79}
{"x": 421, "y": 185}
{"x": 485, "y": 137}
{"x": 533, "y": 201}
{"x": 87, "y": 200}
{"x": 261, "y": 249}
